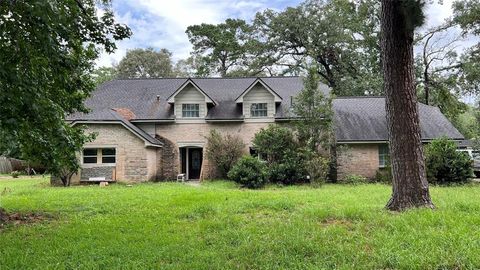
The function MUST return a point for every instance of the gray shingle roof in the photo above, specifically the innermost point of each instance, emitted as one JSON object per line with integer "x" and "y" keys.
{"x": 364, "y": 119}
{"x": 356, "y": 118}
{"x": 140, "y": 96}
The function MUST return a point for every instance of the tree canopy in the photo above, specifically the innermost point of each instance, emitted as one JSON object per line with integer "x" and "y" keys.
{"x": 314, "y": 109}
{"x": 47, "y": 50}
{"x": 145, "y": 63}
{"x": 221, "y": 48}
{"x": 103, "y": 74}
{"x": 340, "y": 37}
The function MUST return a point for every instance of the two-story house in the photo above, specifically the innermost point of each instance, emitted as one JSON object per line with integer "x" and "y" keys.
{"x": 154, "y": 129}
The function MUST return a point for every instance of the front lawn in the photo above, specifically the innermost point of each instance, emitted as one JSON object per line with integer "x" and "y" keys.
{"x": 218, "y": 226}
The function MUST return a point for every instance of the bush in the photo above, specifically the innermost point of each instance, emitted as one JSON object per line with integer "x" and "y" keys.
{"x": 286, "y": 160}
{"x": 446, "y": 165}
{"x": 224, "y": 151}
{"x": 353, "y": 179}
{"x": 384, "y": 175}
{"x": 275, "y": 142}
{"x": 318, "y": 168}
{"x": 290, "y": 169}
{"x": 15, "y": 174}
{"x": 249, "y": 172}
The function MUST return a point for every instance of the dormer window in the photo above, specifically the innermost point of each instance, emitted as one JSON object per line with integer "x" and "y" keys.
{"x": 258, "y": 110}
{"x": 191, "y": 110}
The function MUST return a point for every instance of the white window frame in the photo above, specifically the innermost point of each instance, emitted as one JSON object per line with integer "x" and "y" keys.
{"x": 383, "y": 156}
{"x": 190, "y": 110}
{"x": 89, "y": 156}
{"x": 114, "y": 155}
{"x": 99, "y": 156}
{"x": 255, "y": 109}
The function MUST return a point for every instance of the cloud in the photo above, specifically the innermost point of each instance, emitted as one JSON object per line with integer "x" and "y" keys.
{"x": 436, "y": 13}
{"x": 162, "y": 24}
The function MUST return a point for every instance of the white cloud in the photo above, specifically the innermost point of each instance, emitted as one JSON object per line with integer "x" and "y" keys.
{"x": 436, "y": 13}
{"x": 162, "y": 24}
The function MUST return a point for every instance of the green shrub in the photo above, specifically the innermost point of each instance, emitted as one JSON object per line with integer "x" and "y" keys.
{"x": 353, "y": 179}
{"x": 384, "y": 175}
{"x": 223, "y": 151}
{"x": 285, "y": 158}
{"x": 318, "y": 168}
{"x": 446, "y": 165}
{"x": 15, "y": 174}
{"x": 249, "y": 172}
{"x": 289, "y": 170}
{"x": 275, "y": 142}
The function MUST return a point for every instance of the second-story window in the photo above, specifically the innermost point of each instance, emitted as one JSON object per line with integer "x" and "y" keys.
{"x": 190, "y": 110}
{"x": 258, "y": 110}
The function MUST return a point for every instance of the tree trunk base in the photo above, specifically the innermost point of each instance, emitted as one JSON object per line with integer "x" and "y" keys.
{"x": 397, "y": 205}
{"x": 3, "y": 216}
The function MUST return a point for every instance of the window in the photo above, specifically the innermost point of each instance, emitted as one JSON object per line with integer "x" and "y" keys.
{"x": 108, "y": 155}
{"x": 190, "y": 110}
{"x": 255, "y": 153}
{"x": 90, "y": 155}
{"x": 258, "y": 110}
{"x": 99, "y": 156}
{"x": 383, "y": 155}
{"x": 476, "y": 155}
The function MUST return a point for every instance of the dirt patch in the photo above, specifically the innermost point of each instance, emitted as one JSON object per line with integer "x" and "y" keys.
{"x": 337, "y": 222}
{"x": 7, "y": 218}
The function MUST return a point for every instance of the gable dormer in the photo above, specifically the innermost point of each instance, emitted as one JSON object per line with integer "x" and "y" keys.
{"x": 259, "y": 100}
{"x": 190, "y": 101}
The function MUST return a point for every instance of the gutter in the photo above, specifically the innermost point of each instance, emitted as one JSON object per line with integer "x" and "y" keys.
{"x": 152, "y": 121}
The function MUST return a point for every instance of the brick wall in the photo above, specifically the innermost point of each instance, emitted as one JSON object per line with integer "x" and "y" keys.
{"x": 134, "y": 161}
{"x": 168, "y": 168}
{"x": 359, "y": 159}
{"x": 195, "y": 134}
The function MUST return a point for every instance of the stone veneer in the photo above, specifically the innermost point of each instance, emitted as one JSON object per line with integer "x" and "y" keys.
{"x": 104, "y": 171}
{"x": 358, "y": 159}
{"x": 195, "y": 134}
{"x": 134, "y": 161}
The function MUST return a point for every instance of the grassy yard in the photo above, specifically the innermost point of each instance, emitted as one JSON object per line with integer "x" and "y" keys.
{"x": 218, "y": 226}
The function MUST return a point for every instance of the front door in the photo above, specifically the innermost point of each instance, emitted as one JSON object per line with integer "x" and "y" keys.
{"x": 194, "y": 162}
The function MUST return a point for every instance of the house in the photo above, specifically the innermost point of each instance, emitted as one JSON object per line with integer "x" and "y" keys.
{"x": 155, "y": 129}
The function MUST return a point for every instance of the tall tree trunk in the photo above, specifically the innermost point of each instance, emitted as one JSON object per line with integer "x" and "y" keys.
{"x": 426, "y": 85}
{"x": 410, "y": 186}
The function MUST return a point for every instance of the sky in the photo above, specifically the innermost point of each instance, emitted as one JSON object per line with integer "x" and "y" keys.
{"x": 162, "y": 24}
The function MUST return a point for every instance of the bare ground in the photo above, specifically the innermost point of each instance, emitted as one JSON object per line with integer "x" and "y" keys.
{"x": 15, "y": 218}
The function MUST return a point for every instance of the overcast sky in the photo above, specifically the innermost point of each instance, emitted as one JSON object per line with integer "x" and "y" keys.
{"x": 162, "y": 24}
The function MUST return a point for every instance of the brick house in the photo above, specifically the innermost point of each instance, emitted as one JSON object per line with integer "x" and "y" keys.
{"x": 154, "y": 129}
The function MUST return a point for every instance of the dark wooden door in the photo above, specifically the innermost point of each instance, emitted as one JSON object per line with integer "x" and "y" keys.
{"x": 194, "y": 163}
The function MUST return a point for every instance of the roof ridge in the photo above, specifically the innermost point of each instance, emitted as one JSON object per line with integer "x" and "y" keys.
{"x": 359, "y": 97}
{"x": 185, "y": 78}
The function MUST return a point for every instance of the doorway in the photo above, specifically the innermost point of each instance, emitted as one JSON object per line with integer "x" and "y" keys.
{"x": 191, "y": 159}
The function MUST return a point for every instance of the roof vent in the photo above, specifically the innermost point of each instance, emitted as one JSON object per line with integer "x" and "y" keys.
{"x": 158, "y": 97}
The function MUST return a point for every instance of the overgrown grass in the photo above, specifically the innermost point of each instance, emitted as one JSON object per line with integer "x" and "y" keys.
{"x": 219, "y": 226}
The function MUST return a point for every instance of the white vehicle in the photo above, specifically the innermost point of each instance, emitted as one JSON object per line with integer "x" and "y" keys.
{"x": 475, "y": 156}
